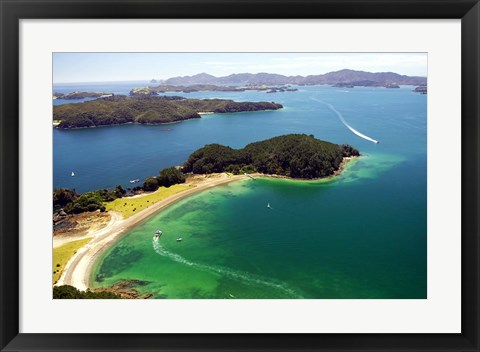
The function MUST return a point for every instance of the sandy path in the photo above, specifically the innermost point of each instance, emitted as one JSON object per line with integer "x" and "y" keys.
{"x": 77, "y": 271}
{"x": 64, "y": 239}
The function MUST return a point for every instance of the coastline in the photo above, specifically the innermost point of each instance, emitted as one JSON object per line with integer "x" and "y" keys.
{"x": 341, "y": 168}
{"x": 78, "y": 270}
{"x": 200, "y": 114}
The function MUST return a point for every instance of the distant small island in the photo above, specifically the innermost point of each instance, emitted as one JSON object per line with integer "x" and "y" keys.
{"x": 366, "y": 83}
{"x": 421, "y": 90}
{"x": 282, "y": 89}
{"x": 297, "y": 156}
{"x": 164, "y": 88}
{"x": 80, "y": 95}
{"x": 120, "y": 109}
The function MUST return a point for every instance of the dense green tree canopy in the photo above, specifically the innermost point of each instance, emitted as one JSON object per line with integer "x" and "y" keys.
{"x": 63, "y": 196}
{"x": 89, "y": 201}
{"x": 70, "y": 292}
{"x": 73, "y": 203}
{"x": 150, "y": 184}
{"x": 294, "y": 155}
{"x": 166, "y": 178}
{"x": 170, "y": 176}
{"x": 120, "y": 109}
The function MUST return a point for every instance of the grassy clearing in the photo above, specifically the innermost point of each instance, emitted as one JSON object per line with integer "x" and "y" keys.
{"x": 130, "y": 206}
{"x": 62, "y": 254}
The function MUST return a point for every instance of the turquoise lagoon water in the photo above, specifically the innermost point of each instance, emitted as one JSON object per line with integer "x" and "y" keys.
{"x": 361, "y": 235}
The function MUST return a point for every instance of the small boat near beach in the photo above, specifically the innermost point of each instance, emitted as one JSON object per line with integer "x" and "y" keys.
{"x": 179, "y": 239}
{"x": 135, "y": 181}
{"x": 158, "y": 233}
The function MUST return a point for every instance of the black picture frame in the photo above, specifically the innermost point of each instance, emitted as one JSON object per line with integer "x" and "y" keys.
{"x": 12, "y": 11}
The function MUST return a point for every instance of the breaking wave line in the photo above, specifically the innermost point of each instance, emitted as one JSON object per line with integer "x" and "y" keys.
{"x": 340, "y": 116}
{"x": 247, "y": 278}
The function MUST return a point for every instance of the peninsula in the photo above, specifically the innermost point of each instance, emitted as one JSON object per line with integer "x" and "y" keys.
{"x": 296, "y": 156}
{"x": 120, "y": 109}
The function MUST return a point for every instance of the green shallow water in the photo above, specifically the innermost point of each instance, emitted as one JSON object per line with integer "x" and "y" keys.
{"x": 360, "y": 235}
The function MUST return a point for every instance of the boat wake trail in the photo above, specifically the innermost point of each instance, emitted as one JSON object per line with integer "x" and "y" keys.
{"x": 247, "y": 278}
{"x": 340, "y": 116}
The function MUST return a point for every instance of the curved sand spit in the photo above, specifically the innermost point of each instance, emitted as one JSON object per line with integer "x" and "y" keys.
{"x": 78, "y": 269}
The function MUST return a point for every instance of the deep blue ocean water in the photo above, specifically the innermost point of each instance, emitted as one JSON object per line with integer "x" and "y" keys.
{"x": 107, "y": 156}
{"x": 360, "y": 236}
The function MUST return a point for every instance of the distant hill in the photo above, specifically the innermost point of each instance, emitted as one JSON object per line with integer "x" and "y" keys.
{"x": 149, "y": 90}
{"x": 354, "y": 78}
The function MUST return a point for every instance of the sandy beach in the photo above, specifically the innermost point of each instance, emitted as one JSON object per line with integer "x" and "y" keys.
{"x": 78, "y": 269}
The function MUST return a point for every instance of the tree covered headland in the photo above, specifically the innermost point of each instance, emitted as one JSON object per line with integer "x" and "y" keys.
{"x": 166, "y": 178}
{"x": 73, "y": 203}
{"x": 293, "y": 155}
{"x": 120, "y": 109}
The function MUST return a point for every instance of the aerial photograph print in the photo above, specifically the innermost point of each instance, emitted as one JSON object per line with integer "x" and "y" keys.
{"x": 294, "y": 175}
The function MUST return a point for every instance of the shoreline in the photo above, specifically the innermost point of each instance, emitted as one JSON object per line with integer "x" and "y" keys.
{"x": 200, "y": 114}
{"x": 78, "y": 270}
{"x": 341, "y": 168}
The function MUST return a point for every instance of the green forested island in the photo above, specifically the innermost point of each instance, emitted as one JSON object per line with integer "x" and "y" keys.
{"x": 293, "y": 155}
{"x": 80, "y": 95}
{"x": 196, "y": 88}
{"x": 120, "y": 109}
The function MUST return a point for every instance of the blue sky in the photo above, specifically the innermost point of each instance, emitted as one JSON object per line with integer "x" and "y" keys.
{"x": 103, "y": 67}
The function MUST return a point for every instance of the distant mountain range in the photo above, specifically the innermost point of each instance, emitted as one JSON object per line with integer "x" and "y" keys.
{"x": 350, "y": 77}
